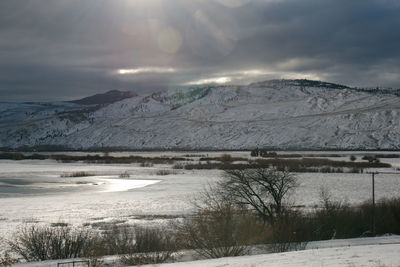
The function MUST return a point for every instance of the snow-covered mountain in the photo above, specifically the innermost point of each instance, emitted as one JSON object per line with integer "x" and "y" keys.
{"x": 299, "y": 114}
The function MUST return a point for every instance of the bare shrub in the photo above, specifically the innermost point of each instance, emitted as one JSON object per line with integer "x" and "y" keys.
{"x": 152, "y": 245}
{"x": 12, "y": 156}
{"x": 144, "y": 258}
{"x": 388, "y": 212}
{"x": 43, "y": 243}
{"x": 76, "y": 174}
{"x": 336, "y": 219}
{"x": 149, "y": 239}
{"x": 7, "y": 260}
{"x": 219, "y": 229}
{"x": 113, "y": 240}
{"x": 214, "y": 234}
{"x": 125, "y": 174}
{"x": 194, "y": 155}
{"x": 371, "y": 158}
{"x": 165, "y": 172}
{"x": 139, "y": 245}
{"x": 178, "y": 166}
{"x": 146, "y": 164}
{"x": 225, "y": 158}
{"x": 289, "y": 232}
{"x": 59, "y": 224}
{"x": 95, "y": 261}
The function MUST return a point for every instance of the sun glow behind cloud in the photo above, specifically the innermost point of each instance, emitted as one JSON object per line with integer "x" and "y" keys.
{"x": 217, "y": 80}
{"x": 154, "y": 45}
{"x": 145, "y": 70}
{"x": 251, "y": 75}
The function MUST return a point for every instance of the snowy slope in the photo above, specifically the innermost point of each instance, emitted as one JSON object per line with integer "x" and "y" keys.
{"x": 278, "y": 113}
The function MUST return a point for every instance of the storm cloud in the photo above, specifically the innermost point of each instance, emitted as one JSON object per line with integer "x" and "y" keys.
{"x": 67, "y": 49}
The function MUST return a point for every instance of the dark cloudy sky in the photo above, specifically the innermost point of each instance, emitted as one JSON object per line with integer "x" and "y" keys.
{"x": 67, "y": 49}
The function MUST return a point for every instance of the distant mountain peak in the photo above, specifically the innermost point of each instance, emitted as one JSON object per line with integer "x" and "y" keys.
{"x": 105, "y": 98}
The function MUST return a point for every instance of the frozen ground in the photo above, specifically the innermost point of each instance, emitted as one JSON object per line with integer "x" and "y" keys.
{"x": 32, "y": 191}
{"x": 42, "y": 196}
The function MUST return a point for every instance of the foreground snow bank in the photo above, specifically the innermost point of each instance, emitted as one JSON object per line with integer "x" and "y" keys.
{"x": 370, "y": 255}
{"x": 374, "y": 252}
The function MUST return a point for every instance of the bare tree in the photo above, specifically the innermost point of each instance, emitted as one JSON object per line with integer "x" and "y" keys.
{"x": 263, "y": 190}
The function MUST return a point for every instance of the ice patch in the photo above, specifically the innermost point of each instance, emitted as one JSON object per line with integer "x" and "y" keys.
{"x": 119, "y": 185}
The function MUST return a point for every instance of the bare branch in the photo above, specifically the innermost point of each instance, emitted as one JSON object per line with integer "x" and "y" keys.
{"x": 263, "y": 190}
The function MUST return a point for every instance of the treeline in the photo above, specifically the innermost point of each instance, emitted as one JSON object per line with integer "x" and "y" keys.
{"x": 103, "y": 159}
{"x": 272, "y": 154}
{"x": 267, "y": 153}
{"x": 291, "y": 165}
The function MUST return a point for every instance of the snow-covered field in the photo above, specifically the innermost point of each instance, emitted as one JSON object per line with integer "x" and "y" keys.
{"x": 32, "y": 191}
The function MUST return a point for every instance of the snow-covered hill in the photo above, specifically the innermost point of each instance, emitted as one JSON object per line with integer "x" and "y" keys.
{"x": 297, "y": 114}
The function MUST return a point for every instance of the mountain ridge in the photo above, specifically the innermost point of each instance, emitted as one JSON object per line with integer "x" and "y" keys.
{"x": 104, "y": 98}
{"x": 302, "y": 114}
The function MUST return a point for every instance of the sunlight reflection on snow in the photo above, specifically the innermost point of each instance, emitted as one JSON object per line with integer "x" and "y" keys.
{"x": 118, "y": 185}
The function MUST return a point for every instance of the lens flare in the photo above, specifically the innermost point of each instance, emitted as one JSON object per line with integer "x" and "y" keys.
{"x": 169, "y": 40}
{"x": 145, "y": 70}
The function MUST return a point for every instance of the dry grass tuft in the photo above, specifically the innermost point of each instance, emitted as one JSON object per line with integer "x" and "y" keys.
{"x": 77, "y": 174}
